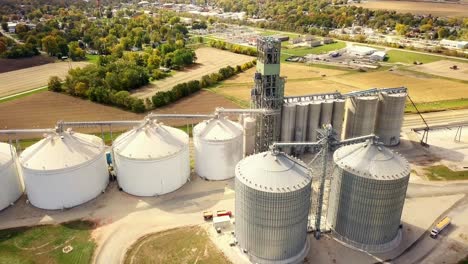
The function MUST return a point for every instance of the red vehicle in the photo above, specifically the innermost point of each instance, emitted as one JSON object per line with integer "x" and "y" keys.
{"x": 223, "y": 213}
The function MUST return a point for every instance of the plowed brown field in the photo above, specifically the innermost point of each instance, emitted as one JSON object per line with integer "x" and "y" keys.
{"x": 43, "y": 110}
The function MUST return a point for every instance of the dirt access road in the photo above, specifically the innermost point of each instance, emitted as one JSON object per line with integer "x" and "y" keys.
{"x": 209, "y": 60}
{"x": 33, "y": 77}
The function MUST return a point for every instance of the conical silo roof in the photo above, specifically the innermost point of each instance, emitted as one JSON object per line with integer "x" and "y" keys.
{"x": 61, "y": 151}
{"x": 273, "y": 172}
{"x": 371, "y": 160}
{"x": 151, "y": 141}
{"x": 218, "y": 129}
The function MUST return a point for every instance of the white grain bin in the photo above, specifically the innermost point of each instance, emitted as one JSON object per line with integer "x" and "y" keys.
{"x": 368, "y": 191}
{"x": 300, "y": 128}
{"x": 11, "y": 184}
{"x": 361, "y": 113}
{"x": 288, "y": 122}
{"x": 152, "y": 159}
{"x": 272, "y": 206}
{"x": 64, "y": 170}
{"x": 218, "y": 148}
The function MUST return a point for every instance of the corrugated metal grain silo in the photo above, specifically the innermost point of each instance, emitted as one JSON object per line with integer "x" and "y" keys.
{"x": 390, "y": 118}
{"x": 11, "y": 183}
{"x": 288, "y": 122}
{"x": 368, "y": 191}
{"x": 272, "y": 205}
{"x": 64, "y": 170}
{"x": 218, "y": 148}
{"x": 361, "y": 113}
{"x": 338, "y": 116}
{"x": 152, "y": 159}
{"x": 300, "y": 130}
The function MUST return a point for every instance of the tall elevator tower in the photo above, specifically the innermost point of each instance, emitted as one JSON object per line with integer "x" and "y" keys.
{"x": 268, "y": 92}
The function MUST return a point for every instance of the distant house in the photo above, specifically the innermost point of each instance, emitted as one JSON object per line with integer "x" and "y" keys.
{"x": 454, "y": 44}
{"x": 327, "y": 41}
{"x": 313, "y": 43}
{"x": 12, "y": 27}
{"x": 281, "y": 38}
{"x": 296, "y": 40}
{"x": 378, "y": 56}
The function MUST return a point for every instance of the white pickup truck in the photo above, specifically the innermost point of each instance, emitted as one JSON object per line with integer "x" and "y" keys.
{"x": 440, "y": 226}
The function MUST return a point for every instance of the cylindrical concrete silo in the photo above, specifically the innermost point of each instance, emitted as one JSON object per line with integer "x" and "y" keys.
{"x": 361, "y": 113}
{"x": 367, "y": 195}
{"x": 218, "y": 148}
{"x": 300, "y": 130}
{"x": 152, "y": 159}
{"x": 272, "y": 205}
{"x": 64, "y": 170}
{"x": 288, "y": 122}
{"x": 326, "y": 113}
{"x": 338, "y": 116}
{"x": 249, "y": 124}
{"x": 390, "y": 118}
{"x": 314, "y": 121}
{"x": 11, "y": 183}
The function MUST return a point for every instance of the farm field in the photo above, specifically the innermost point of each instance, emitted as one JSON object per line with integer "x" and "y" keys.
{"x": 33, "y": 77}
{"x": 182, "y": 245}
{"x": 44, "y": 109}
{"x": 408, "y": 57}
{"x": 44, "y": 244}
{"x": 7, "y": 65}
{"x": 421, "y": 87}
{"x": 301, "y": 51}
{"x": 419, "y": 7}
{"x": 209, "y": 60}
{"x": 442, "y": 68}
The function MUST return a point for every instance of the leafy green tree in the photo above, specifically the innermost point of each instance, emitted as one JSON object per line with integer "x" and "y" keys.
{"x": 55, "y": 84}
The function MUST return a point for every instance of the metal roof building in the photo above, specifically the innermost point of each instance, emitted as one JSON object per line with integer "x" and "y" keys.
{"x": 368, "y": 191}
{"x": 272, "y": 206}
{"x": 152, "y": 159}
{"x": 64, "y": 170}
{"x": 11, "y": 183}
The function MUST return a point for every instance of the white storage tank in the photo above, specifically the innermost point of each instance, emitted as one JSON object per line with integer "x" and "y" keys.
{"x": 390, "y": 117}
{"x": 218, "y": 148}
{"x": 250, "y": 125}
{"x": 272, "y": 206}
{"x": 64, "y": 170}
{"x": 300, "y": 130}
{"x": 11, "y": 184}
{"x": 152, "y": 159}
{"x": 361, "y": 113}
{"x": 288, "y": 123}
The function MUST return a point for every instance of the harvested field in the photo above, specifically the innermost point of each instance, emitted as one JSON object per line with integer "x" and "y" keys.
{"x": 34, "y": 77}
{"x": 43, "y": 110}
{"x": 442, "y": 68}
{"x": 422, "y": 88}
{"x": 209, "y": 60}
{"x": 419, "y": 7}
{"x": 7, "y": 65}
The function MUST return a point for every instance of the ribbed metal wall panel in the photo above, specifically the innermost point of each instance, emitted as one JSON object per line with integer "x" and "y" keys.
{"x": 271, "y": 226}
{"x": 288, "y": 120}
{"x": 326, "y": 113}
{"x": 313, "y": 121}
{"x": 300, "y": 131}
{"x": 249, "y": 124}
{"x": 361, "y": 113}
{"x": 390, "y": 118}
{"x": 338, "y": 116}
{"x": 367, "y": 211}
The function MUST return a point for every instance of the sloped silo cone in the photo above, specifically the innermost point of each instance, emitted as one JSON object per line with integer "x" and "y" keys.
{"x": 368, "y": 191}
{"x": 64, "y": 170}
{"x": 11, "y": 183}
{"x": 218, "y": 146}
{"x": 272, "y": 204}
{"x": 152, "y": 159}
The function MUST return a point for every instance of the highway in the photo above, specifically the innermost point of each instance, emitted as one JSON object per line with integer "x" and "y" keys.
{"x": 435, "y": 118}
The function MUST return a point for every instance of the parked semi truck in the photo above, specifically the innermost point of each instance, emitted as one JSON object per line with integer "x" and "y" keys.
{"x": 440, "y": 226}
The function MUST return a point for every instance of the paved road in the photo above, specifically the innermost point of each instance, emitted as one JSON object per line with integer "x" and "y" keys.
{"x": 435, "y": 118}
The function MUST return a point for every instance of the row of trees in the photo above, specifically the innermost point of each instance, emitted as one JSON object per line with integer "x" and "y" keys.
{"x": 239, "y": 49}
{"x": 182, "y": 90}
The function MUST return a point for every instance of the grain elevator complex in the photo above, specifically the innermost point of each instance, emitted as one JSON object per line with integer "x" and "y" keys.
{"x": 279, "y": 198}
